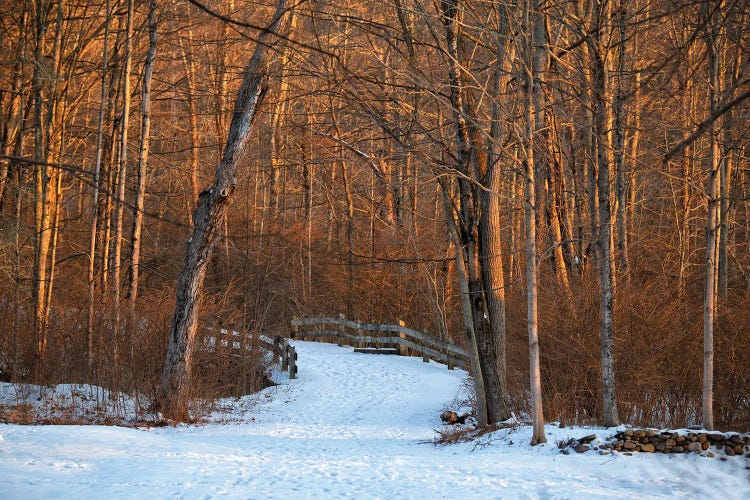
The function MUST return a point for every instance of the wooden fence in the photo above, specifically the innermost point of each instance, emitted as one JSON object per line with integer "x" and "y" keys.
{"x": 375, "y": 338}
{"x": 279, "y": 348}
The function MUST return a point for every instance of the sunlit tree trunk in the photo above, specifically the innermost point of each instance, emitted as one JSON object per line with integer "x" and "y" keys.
{"x": 207, "y": 218}
{"x": 93, "y": 227}
{"x": 533, "y": 27}
{"x": 712, "y": 194}
{"x": 143, "y": 151}
{"x": 121, "y": 180}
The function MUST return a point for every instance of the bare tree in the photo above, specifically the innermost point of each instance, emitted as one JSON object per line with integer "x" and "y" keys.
{"x": 143, "y": 151}
{"x": 534, "y": 54}
{"x": 207, "y": 219}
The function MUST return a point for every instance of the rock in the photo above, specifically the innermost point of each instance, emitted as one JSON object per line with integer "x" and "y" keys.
{"x": 716, "y": 438}
{"x": 628, "y": 454}
{"x": 587, "y": 439}
{"x": 639, "y": 433}
{"x": 629, "y": 445}
{"x": 681, "y": 439}
{"x": 702, "y": 438}
{"x": 565, "y": 451}
{"x": 670, "y": 442}
{"x": 710, "y": 455}
{"x": 581, "y": 448}
{"x": 738, "y": 449}
{"x": 694, "y": 446}
{"x": 648, "y": 448}
{"x": 661, "y": 447}
{"x": 736, "y": 439}
{"x": 651, "y": 433}
{"x": 678, "y": 449}
{"x": 729, "y": 451}
{"x": 629, "y": 432}
{"x": 705, "y": 445}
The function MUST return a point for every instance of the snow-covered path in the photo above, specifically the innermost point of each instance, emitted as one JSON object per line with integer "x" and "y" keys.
{"x": 351, "y": 425}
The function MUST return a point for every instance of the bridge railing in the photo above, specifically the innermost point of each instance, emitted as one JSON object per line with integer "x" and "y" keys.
{"x": 240, "y": 342}
{"x": 371, "y": 337}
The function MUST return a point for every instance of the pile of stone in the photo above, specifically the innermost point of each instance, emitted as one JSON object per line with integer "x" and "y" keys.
{"x": 667, "y": 441}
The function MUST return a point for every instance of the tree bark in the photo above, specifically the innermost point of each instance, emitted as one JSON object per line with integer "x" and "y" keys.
{"x": 95, "y": 196}
{"x": 602, "y": 100}
{"x": 143, "y": 150}
{"x": 619, "y": 142}
{"x": 477, "y": 232}
{"x": 712, "y": 191}
{"x": 534, "y": 31}
{"x": 207, "y": 218}
{"x": 121, "y": 180}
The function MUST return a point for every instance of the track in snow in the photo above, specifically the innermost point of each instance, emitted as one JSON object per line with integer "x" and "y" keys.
{"x": 352, "y": 425}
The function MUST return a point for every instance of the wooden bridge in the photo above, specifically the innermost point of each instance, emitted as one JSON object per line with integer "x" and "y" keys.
{"x": 380, "y": 339}
{"x": 368, "y": 338}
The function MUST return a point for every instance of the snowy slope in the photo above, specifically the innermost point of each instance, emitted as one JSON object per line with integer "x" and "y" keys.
{"x": 352, "y": 425}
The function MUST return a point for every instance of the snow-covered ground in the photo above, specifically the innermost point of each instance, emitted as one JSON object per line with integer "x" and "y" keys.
{"x": 352, "y": 425}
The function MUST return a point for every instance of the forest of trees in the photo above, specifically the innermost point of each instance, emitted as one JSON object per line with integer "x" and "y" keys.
{"x": 561, "y": 186}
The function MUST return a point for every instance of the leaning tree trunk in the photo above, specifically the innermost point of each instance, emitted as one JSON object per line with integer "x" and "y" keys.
{"x": 207, "y": 218}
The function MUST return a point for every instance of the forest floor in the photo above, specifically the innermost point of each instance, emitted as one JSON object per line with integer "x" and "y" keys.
{"x": 351, "y": 425}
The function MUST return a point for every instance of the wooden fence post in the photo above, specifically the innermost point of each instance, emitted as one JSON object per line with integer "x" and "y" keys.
{"x": 292, "y": 362}
{"x": 284, "y": 357}
{"x": 451, "y": 364}
{"x": 402, "y": 350}
{"x": 340, "y": 334}
{"x": 295, "y": 329}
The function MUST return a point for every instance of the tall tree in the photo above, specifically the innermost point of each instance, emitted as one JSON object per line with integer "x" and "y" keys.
{"x": 143, "y": 151}
{"x": 207, "y": 219}
{"x": 598, "y": 43}
{"x": 712, "y": 13}
{"x": 534, "y": 51}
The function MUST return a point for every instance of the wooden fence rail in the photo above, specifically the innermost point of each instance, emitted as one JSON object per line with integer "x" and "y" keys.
{"x": 235, "y": 341}
{"x": 370, "y": 337}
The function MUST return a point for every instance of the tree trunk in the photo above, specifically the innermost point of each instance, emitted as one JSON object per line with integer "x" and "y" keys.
{"x": 602, "y": 100}
{"x": 95, "y": 197}
{"x": 712, "y": 192}
{"x": 534, "y": 47}
{"x": 140, "y": 185}
{"x": 476, "y": 236}
{"x": 619, "y": 142}
{"x": 468, "y": 322}
{"x": 186, "y": 51}
{"x": 121, "y": 180}
{"x": 207, "y": 219}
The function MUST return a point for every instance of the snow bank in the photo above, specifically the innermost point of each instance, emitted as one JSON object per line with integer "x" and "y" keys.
{"x": 352, "y": 425}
